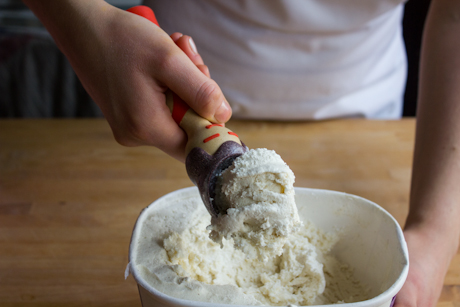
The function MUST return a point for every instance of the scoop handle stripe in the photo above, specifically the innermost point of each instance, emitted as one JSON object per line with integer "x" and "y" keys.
{"x": 179, "y": 109}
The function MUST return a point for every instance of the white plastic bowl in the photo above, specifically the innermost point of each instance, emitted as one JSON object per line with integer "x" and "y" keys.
{"x": 371, "y": 242}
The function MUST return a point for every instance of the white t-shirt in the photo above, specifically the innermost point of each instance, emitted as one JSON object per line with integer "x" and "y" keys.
{"x": 298, "y": 59}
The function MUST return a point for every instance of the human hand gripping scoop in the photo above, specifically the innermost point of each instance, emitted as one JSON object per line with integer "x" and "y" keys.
{"x": 210, "y": 149}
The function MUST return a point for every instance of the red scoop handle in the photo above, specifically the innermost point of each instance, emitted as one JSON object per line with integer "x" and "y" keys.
{"x": 145, "y": 12}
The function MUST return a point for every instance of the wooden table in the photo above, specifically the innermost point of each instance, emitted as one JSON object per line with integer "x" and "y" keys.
{"x": 69, "y": 197}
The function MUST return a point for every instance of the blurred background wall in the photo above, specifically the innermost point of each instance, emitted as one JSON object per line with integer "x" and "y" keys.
{"x": 37, "y": 81}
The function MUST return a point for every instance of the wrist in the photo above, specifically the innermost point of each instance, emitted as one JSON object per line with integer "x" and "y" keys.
{"x": 442, "y": 235}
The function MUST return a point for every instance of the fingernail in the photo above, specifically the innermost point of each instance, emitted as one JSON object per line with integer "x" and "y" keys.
{"x": 192, "y": 45}
{"x": 222, "y": 113}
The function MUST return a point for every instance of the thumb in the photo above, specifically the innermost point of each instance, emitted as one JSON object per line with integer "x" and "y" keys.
{"x": 200, "y": 92}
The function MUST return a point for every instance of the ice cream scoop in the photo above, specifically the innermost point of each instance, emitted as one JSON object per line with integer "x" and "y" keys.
{"x": 210, "y": 149}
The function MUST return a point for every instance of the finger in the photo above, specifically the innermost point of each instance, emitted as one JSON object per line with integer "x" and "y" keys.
{"x": 173, "y": 141}
{"x": 186, "y": 44}
{"x": 176, "y": 35}
{"x": 167, "y": 135}
{"x": 406, "y": 298}
{"x": 205, "y": 70}
{"x": 151, "y": 124}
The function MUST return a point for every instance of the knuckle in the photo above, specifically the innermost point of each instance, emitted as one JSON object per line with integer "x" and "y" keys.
{"x": 166, "y": 62}
{"x": 207, "y": 94}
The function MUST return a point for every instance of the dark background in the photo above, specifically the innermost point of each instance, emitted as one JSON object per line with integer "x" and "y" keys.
{"x": 414, "y": 18}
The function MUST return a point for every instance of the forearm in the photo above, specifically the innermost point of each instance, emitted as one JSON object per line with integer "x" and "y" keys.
{"x": 435, "y": 196}
{"x": 67, "y": 19}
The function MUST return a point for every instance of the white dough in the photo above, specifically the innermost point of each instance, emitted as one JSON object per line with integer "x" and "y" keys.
{"x": 176, "y": 256}
{"x": 259, "y": 253}
{"x": 258, "y": 192}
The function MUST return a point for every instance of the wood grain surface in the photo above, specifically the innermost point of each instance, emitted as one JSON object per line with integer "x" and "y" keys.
{"x": 70, "y": 195}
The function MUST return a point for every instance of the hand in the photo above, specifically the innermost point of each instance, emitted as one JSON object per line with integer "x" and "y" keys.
{"x": 429, "y": 258}
{"x": 126, "y": 63}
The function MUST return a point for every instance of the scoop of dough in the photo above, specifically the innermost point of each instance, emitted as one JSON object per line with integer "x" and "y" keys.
{"x": 258, "y": 192}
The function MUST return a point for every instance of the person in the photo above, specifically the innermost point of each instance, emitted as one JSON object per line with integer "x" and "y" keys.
{"x": 126, "y": 63}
